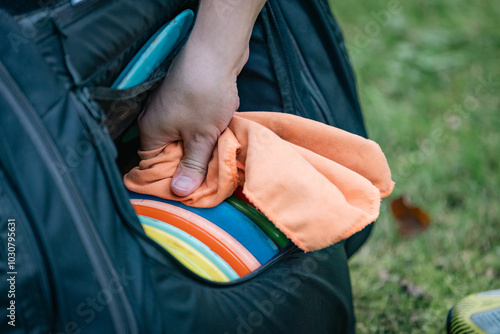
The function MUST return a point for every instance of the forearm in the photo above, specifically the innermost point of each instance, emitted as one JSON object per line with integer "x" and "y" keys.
{"x": 223, "y": 29}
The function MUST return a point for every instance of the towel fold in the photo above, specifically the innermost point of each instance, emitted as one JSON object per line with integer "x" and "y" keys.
{"x": 318, "y": 184}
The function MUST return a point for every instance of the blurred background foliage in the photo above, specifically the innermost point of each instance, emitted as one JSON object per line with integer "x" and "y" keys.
{"x": 428, "y": 75}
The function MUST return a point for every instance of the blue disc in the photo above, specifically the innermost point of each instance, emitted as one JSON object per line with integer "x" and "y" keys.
{"x": 233, "y": 222}
{"x": 155, "y": 51}
{"x": 193, "y": 242}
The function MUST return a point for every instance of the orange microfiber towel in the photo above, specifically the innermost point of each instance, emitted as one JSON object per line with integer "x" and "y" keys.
{"x": 318, "y": 184}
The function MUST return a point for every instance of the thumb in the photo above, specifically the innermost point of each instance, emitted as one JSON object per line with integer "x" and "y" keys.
{"x": 193, "y": 167}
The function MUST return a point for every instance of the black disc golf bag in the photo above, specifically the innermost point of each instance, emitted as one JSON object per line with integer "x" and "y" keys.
{"x": 73, "y": 255}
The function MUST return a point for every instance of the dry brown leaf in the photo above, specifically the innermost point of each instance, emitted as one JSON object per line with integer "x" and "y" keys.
{"x": 411, "y": 220}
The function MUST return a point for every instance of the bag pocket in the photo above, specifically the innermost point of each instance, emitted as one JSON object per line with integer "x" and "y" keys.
{"x": 89, "y": 44}
{"x": 97, "y": 38}
{"x": 120, "y": 107}
{"x": 117, "y": 111}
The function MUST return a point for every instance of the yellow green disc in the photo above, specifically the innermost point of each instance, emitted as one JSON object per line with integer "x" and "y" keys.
{"x": 186, "y": 254}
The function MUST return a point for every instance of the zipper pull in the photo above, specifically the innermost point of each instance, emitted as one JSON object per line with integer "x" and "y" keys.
{"x": 92, "y": 106}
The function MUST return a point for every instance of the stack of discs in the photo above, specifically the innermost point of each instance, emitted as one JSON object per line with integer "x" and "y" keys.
{"x": 220, "y": 244}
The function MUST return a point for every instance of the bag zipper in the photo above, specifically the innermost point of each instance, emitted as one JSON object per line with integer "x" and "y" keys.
{"x": 319, "y": 99}
{"x": 342, "y": 52}
{"x": 106, "y": 150}
{"x": 288, "y": 64}
{"x": 313, "y": 88}
{"x": 121, "y": 312}
{"x": 306, "y": 75}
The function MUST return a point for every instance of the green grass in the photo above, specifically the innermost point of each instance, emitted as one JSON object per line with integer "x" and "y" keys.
{"x": 421, "y": 77}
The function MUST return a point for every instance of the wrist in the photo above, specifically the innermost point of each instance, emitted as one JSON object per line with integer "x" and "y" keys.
{"x": 222, "y": 31}
{"x": 226, "y": 62}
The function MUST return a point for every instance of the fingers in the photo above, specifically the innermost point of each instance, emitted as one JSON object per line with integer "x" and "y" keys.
{"x": 193, "y": 167}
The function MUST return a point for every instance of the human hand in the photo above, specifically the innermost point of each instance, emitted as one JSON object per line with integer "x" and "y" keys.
{"x": 194, "y": 104}
{"x": 199, "y": 96}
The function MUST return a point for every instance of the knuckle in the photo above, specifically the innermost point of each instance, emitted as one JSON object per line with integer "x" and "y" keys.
{"x": 202, "y": 141}
{"x": 194, "y": 165}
